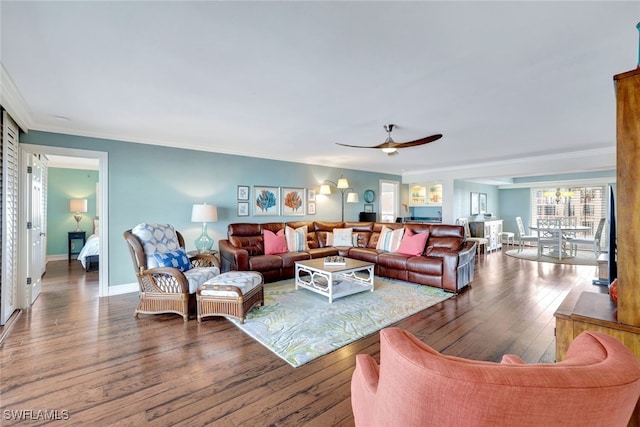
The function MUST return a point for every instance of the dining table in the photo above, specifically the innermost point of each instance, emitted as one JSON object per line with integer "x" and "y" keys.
{"x": 568, "y": 231}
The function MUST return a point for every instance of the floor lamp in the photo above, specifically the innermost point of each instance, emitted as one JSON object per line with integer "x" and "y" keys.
{"x": 343, "y": 186}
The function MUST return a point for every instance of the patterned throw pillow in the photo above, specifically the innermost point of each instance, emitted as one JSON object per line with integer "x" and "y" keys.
{"x": 176, "y": 259}
{"x": 296, "y": 239}
{"x": 274, "y": 243}
{"x": 389, "y": 240}
{"x": 343, "y": 237}
{"x": 413, "y": 243}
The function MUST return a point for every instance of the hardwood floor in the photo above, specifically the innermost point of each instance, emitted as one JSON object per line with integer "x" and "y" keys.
{"x": 90, "y": 360}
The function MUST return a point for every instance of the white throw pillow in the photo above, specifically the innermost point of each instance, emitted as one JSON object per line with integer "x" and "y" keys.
{"x": 342, "y": 237}
{"x": 296, "y": 238}
{"x": 389, "y": 240}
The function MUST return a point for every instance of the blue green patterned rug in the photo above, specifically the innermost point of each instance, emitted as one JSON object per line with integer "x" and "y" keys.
{"x": 301, "y": 325}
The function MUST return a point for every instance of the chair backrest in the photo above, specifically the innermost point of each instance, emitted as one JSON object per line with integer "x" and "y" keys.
{"x": 598, "y": 234}
{"x": 521, "y": 231}
{"x": 549, "y": 228}
{"x": 465, "y": 223}
{"x": 147, "y": 239}
{"x": 598, "y": 374}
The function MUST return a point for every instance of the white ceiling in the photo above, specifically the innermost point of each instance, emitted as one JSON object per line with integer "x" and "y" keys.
{"x": 517, "y": 88}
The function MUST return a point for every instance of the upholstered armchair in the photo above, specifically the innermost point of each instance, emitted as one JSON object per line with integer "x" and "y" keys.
{"x": 167, "y": 276}
{"x": 598, "y": 384}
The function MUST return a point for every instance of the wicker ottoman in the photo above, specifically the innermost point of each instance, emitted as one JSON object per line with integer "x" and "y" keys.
{"x": 232, "y": 294}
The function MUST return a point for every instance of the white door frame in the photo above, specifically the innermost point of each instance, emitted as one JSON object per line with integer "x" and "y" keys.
{"x": 102, "y": 212}
{"x": 396, "y": 197}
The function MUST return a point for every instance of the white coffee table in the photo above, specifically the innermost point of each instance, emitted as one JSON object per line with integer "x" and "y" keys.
{"x": 335, "y": 281}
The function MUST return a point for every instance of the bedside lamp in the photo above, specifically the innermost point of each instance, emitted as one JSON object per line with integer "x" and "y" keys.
{"x": 204, "y": 213}
{"x": 78, "y": 206}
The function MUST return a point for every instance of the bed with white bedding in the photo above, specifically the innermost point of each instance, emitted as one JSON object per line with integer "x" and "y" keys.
{"x": 89, "y": 256}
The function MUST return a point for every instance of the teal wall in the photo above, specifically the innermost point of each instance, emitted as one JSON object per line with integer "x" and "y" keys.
{"x": 149, "y": 183}
{"x": 515, "y": 202}
{"x": 462, "y": 202}
{"x": 62, "y": 186}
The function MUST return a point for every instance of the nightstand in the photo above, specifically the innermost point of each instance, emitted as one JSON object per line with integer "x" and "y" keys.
{"x": 74, "y": 236}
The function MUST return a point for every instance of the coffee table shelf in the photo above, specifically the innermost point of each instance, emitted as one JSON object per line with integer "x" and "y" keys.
{"x": 335, "y": 281}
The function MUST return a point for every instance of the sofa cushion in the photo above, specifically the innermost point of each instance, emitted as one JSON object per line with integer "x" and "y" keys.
{"x": 342, "y": 237}
{"x": 389, "y": 240}
{"x": 265, "y": 262}
{"x": 364, "y": 254}
{"x": 274, "y": 243}
{"x": 289, "y": 259}
{"x": 393, "y": 260}
{"x": 176, "y": 259}
{"x": 296, "y": 238}
{"x": 413, "y": 243}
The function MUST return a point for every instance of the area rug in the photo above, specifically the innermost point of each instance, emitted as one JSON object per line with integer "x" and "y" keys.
{"x": 531, "y": 254}
{"x": 300, "y": 325}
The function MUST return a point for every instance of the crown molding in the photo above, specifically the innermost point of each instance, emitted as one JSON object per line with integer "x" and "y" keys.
{"x": 11, "y": 100}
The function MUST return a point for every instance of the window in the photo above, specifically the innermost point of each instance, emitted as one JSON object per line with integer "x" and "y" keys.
{"x": 587, "y": 204}
{"x": 389, "y": 196}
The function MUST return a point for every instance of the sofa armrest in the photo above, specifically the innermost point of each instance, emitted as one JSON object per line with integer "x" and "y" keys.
{"x": 232, "y": 258}
{"x": 458, "y": 267}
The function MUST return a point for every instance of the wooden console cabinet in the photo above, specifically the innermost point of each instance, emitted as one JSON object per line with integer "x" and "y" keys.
{"x": 491, "y": 230}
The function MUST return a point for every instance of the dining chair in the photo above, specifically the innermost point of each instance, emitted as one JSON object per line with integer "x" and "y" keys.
{"x": 550, "y": 237}
{"x": 481, "y": 242}
{"x": 522, "y": 236}
{"x": 595, "y": 242}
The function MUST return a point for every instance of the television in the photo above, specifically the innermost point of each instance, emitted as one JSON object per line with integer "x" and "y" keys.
{"x": 613, "y": 265}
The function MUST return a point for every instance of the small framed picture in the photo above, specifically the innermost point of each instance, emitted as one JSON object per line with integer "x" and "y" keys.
{"x": 311, "y": 208}
{"x": 482, "y": 203}
{"x": 243, "y": 208}
{"x": 243, "y": 192}
{"x": 311, "y": 194}
{"x": 475, "y": 203}
{"x": 368, "y": 207}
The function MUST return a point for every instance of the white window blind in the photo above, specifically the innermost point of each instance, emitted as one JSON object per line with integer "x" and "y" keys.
{"x": 587, "y": 204}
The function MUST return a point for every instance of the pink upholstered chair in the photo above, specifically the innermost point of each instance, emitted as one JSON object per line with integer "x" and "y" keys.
{"x": 598, "y": 384}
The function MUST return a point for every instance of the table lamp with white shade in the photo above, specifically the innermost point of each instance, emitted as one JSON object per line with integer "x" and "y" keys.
{"x": 204, "y": 213}
{"x": 78, "y": 207}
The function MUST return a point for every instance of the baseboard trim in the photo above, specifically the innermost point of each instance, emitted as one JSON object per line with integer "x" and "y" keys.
{"x": 127, "y": 288}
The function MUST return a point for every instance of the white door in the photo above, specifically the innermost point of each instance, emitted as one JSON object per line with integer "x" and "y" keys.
{"x": 9, "y": 284}
{"x": 35, "y": 214}
{"x": 389, "y": 200}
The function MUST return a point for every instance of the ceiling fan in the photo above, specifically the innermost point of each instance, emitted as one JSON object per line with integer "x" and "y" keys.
{"x": 391, "y": 147}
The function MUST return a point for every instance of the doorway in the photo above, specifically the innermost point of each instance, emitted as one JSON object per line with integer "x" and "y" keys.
{"x": 389, "y": 200}
{"x": 102, "y": 208}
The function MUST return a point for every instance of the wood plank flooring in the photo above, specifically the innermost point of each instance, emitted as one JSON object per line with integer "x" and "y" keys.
{"x": 90, "y": 360}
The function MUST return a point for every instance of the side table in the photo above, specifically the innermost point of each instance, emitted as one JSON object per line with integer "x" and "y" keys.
{"x": 76, "y": 235}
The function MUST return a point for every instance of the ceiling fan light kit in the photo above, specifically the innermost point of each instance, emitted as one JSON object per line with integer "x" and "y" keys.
{"x": 390, "y": 147}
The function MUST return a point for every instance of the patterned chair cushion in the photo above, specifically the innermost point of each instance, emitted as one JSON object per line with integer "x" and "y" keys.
{"x": 176, "y": 259}
{"x": 156, "y": 238}
{"x": 245, "y": 280}
{"x": 199, "y": 275}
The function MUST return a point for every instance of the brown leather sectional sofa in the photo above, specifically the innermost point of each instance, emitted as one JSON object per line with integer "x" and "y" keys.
{"x": 447, "y": 261}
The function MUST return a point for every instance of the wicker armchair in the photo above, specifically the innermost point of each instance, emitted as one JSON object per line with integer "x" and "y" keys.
{"x": 157, "y": 252}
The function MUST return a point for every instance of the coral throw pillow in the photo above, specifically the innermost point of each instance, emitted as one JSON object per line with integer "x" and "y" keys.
{"x": 275, "y": 243}
{"x": 413, "y": 243}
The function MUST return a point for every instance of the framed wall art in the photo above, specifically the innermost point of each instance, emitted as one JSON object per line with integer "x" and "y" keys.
{"x": 243, "y": 208}
{"x": 311, "y": 208}
{"x": 368, "y": 207}
{"x": 475, "y": 204}
{"x": 293, "y": 201}
{"x": 311, "y": 194}
{"x": 266, "y": 200}
{"x": 483, "y": 203}
{"x": 243, "y": 192}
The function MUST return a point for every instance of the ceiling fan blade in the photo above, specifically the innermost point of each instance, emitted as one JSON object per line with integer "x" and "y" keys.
{"x": 359, "y": 146}
{"x": 420, "y": 141}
